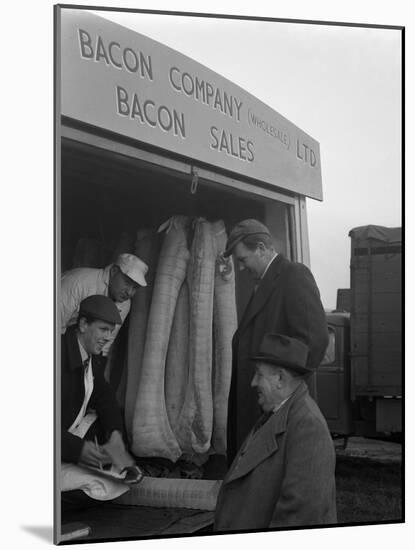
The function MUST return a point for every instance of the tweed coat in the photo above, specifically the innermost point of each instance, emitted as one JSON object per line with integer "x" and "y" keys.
{"x": 287, "y": 302}
{"x": 283, "y": 475}
{"x": 72, "y": 396}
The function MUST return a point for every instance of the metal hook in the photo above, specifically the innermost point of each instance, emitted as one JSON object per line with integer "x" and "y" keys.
{"x": 195, "y": 181}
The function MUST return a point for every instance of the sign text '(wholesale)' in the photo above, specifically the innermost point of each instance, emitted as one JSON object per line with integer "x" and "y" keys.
{"x": 148, "y": 112}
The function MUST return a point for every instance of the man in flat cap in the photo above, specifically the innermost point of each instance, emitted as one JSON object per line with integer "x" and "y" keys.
{"x": 286, "y": 300}
{"x": 119, "y": 281}
{"x": 283, "y": 475}
{"x": 91, "y": 422}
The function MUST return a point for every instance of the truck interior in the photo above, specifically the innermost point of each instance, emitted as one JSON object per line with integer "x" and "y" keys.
{"x": 107, "y": 194}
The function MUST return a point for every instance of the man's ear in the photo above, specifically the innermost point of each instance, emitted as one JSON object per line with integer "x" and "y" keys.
{"x": 82, "y": 325}
{"x": 114, "y": 270}
{"x": 261, "y": 248}
{"x": 280, "y": 376}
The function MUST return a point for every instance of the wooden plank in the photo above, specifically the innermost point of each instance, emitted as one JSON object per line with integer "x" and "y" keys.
{"x": 385, "y": 261}
{"x": 387, "y": 362}
{"x": 382, "y": 302}
{"x": 380, "y": 341}
{"x": 381, "y": 323}
{"x": 385, "y": 374}
{"x": 360, "y": 371}
{"x": 381, "y": 391}
{"x": 389, "y": 281}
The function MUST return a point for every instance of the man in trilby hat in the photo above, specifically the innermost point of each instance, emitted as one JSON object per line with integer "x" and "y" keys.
{"x": 284, "y": 472}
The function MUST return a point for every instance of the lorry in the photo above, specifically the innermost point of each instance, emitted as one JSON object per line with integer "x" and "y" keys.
{"x": 144, "y": 134}
{"x": 359, "y": 382}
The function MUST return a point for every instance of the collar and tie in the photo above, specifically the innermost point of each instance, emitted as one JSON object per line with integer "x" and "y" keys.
{"x": 256, "y": 285}
{"x": 263, "y": 419}
{"x": 259, "y": 279}
{"x": 260, "y": 422}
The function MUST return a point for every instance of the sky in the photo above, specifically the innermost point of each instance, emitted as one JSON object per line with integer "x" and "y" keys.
{"x": 341, "y": 85}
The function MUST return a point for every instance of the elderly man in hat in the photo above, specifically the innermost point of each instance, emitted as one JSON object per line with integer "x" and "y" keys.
{"x": 119, "y": 281}
{"x": 285, "y": 300}
{"x": 283, "y": 475}
{"x": 91, "y": 423}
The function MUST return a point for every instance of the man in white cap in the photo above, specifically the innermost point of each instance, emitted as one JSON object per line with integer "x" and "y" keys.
{"x": 119, "y": 281}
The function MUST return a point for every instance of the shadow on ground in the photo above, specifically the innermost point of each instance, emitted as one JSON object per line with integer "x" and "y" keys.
{"x": 44, "y": 533}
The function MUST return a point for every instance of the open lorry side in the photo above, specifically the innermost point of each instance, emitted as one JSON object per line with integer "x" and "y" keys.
{"x": 141, "y": 140}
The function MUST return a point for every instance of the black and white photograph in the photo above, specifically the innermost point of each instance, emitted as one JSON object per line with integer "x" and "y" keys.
{"x": 215, "y": 376}
{"x": 227, "y": 276}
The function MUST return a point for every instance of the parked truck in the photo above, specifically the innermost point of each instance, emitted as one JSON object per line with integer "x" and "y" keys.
{"x": 359, "y": 382}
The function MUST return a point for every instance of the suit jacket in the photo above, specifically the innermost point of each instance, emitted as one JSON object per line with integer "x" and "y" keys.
{"x": 287, "y": 301}
{"x": 72, "y": 396}
{"x": 284, "y": 473}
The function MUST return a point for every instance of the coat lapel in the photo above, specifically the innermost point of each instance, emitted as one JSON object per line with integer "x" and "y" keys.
{"x": 259, "y": 445}
{"x": 74, "y": 354}
{"x": 266, "y": 286}
{"x": 264, "y": 442}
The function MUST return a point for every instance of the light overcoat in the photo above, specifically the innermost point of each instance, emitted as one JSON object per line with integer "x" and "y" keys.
{"x": 284, "y": 473}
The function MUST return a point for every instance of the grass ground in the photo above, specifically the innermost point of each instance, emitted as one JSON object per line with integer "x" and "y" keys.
{"x": 368, "y": 491}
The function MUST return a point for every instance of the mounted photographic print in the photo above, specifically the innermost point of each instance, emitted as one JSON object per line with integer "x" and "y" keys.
{"x": 229, "y": 268}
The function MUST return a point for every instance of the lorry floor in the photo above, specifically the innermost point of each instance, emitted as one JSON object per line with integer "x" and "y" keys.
{"x": 110, "y": 521}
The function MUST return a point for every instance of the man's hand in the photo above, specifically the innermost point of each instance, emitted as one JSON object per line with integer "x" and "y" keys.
{"x": 91, "y": 455}
{"x": 116, "y": 451}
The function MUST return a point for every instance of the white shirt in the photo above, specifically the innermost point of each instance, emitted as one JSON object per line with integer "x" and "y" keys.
{"x": 268, "y": 264}
{"x": 83, "y": 420}
{"x": 265, "y": 270}
{"x": 80, "y": 283}
{"x": 277, "y": 407}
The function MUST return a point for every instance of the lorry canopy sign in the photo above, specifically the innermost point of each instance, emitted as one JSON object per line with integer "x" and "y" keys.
{"x": 122, "y": 81}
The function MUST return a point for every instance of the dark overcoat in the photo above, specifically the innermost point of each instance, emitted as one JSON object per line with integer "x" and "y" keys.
{"x": 287, "y": 302}
{"x": 284, "y": 474}
{"x": 102, "y": 399}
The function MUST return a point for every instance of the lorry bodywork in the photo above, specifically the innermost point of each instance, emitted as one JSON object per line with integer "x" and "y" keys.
{"x": 140, "y": 138}
{"x": 360, "y": 378}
